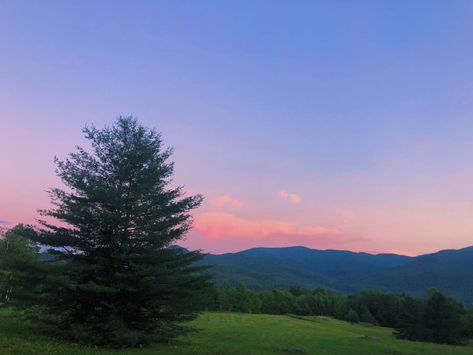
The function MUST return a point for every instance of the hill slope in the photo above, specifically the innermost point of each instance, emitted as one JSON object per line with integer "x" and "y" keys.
{"x": 233, "y": 333}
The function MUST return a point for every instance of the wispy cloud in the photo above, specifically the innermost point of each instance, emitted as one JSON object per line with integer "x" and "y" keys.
{"x": 226, "y": 201}
{"x": 2, "y": 221}
{"x": 217, "y": 225}
{"x": 292, "y": 197}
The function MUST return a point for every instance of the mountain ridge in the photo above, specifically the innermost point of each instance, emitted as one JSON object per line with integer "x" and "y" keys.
{"x": 347, "y": 271}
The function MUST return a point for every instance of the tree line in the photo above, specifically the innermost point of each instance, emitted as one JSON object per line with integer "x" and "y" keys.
{"x": 438, "y": 318}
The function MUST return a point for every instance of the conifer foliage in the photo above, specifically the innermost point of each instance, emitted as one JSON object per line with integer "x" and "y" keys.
{"x": 117, "y": 278}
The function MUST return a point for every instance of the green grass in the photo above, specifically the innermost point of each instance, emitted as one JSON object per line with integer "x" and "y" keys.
{"x": 233, "y": 333}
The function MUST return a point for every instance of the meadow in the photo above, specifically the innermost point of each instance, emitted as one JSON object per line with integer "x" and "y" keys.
{"x": 236, "y": 333}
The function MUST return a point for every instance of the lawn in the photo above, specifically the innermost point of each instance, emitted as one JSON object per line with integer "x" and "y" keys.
{"x": 233, "y": 333}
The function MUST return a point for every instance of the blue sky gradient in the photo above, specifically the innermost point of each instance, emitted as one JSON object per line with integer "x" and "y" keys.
{"x": 361, "y": 109}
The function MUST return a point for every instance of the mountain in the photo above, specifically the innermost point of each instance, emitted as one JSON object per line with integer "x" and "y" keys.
{"x": 345, "y": 271}
{"x": 451, "y": 271}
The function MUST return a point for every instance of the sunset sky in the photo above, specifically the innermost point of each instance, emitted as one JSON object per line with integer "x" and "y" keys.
{"x": 329, "y": 124}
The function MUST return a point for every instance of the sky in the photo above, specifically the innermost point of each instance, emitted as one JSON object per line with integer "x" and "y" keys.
{"x": 329, "y": 124}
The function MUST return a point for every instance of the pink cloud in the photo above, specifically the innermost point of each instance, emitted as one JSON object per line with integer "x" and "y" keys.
{"x": 294, "y": 198}
{"x": 226, "y": 201}
{"x": 222, "y": 226}
{"x": 219, "y": 232}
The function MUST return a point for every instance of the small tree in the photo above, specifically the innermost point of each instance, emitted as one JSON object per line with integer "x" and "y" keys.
{"x": 410, "y": 324}
{"x": 118, "y": 279}
{"x": 352, "y": 316}
{"x": 367, "y": 317}
{"x": 20, "y": 267}
{"x": 442, "y": 319}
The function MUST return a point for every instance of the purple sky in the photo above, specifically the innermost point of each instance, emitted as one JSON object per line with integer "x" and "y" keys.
{"x": 330, "y": 124}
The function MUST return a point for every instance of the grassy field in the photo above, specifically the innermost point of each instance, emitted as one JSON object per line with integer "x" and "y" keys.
{"x": 233, "y": 333}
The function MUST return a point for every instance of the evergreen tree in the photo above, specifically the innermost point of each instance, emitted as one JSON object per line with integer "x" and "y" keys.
{"x": 367, "y": 317}
{"x": 118, "y": 278}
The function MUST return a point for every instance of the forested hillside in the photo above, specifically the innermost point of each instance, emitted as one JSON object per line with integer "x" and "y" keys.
{"x": 345, "y": 271}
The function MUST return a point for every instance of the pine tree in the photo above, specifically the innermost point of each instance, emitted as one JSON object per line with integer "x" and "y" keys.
{"x": 118, "y": 277}
{"x": 367, "y": 317}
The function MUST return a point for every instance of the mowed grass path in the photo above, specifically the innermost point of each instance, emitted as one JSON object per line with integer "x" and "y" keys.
{"x": 233, "y": 333}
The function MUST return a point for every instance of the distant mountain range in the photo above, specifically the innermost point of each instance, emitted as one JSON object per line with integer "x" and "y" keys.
{"x": 451, "y": 271}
